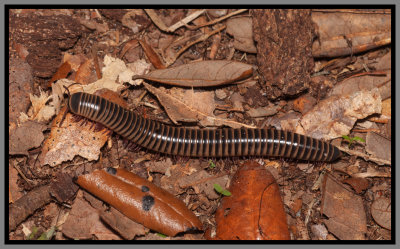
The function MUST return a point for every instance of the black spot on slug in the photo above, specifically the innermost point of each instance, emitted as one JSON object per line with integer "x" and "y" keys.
{"x": 111, "y": 171}
{"x": 147, "y": 202}
{"x": 145, "y": 189}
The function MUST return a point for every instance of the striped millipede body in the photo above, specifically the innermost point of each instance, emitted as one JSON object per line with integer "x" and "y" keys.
{"x": 191, "y": 142}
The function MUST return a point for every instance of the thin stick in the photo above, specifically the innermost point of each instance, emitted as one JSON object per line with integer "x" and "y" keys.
{"x": 217, "y": 20}
{"x": 161, "y": 25}
{"x": 202, "y": 38}
{"x": 379, "y": 161}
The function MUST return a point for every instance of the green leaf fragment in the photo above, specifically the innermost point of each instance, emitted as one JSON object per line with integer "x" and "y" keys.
{"x": 359, "y": 139}
{"x": 33, "y": 233}
{"x": 162, "y": 235}
{"x": 211, "y": 163}
{"x": 347, "y": 138}
{"x": 221, "y": 190}
{"x": 47, "y": 235}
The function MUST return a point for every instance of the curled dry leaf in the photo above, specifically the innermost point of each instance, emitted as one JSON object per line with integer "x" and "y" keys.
{"x": 29, "y": 135}
{"x": 201, "y": 74}
{"x": 241, "y": 29}
{"x": 152, "y": 55}
{"x": 336, "y": 30}
{"x": 187, "y": 106}
{"x": 255, "y": 209}
{"x": 336, "y": 115}
{"x": 345, "y": 210}
{"x": 140, "y": 200}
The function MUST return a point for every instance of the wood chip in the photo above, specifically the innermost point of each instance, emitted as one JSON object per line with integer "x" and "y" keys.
{"x": 345, "y": 210}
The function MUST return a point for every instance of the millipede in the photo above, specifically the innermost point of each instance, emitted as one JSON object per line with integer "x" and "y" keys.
{"x": 195, "y": 142}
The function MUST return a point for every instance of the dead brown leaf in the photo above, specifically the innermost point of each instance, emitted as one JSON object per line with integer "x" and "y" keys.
{"x": 365, "y": 82}
{"x": 263, "y": 111}
{"x": 387, "y": 107}
{"x": 203, "y": 182}
{"x": 187, "y": 106}
{"x": 304, "y": 103}
{"x": 255, "y": 209}
{"x": 241, "y": 29}
{"x": 336, "y": 30}
{"x": 86, "y": 73}
{"x": 126, "y": 227}
{"x": 84, "y": 222}
{"x": 357, "y": 183}
{"x": 74, "y": 61}
{"x": 381, "y": 211}
{"x": 161, "y": 25}
{"x": 378, "y": 146}
{"x": 344, "y": 209}
{"x": 71, "y": 139}
{"x": 61, "y": 73}
{"x": 20, "y": 84}
{"x": 152, "y": 55}
{"x": 159, "y": 166}
{"x": 29, "y": 135}
{"x": 336, "y": 115}
{"x": 15, "y": 191}
{"x": 201, "y": 74}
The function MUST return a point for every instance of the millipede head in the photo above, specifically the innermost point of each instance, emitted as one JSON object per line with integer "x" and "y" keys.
{"x": 74, "y": 102}
{"x": 336, "y": 154}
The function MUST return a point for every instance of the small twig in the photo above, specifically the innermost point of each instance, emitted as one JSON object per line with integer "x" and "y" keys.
{"x": 214, "y": 46}
{"x": 96, "y": 61}
{"x": 161, "y": 25}
{"x": 308, "y": 213}
{"x": 379, "y": 161}
{"x": 150, "y": 105}
{"x": 372, "y": 174}
{"x": 202, "y": 38}
{"x": 23, "y": 175}
{"x": 369, "y": 73}
{"x": 366, "y": 130}
{"x": 355, "y": 11}
{"x": 379, "y": 120}
{"x": 217, "y": 20}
